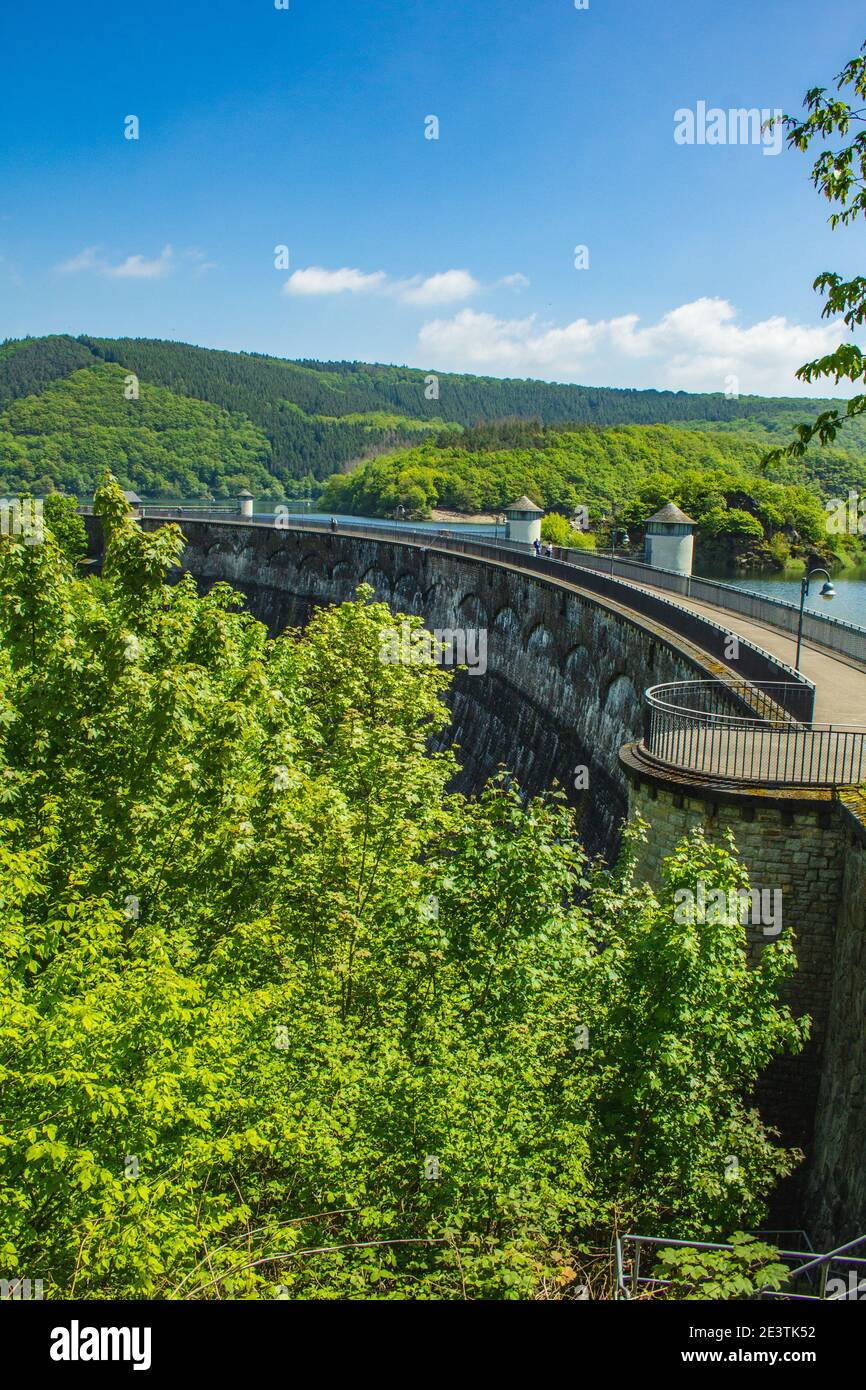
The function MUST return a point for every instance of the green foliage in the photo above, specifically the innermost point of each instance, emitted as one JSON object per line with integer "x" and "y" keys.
{"x": 558, "y": 530}
{"x": 244, "y": 1052}
{"x": 315, "y": 419}
{"x": 159, "y": 444}
{"x": 840, "y": 177}
{"x": 733, "y": 521}
{"x": 683, "y": 1017}
{"x": 739, "y": 1273}
{"x": 312, "y": 419}
{"x": 60, "y": 514}
{"x": 715, "y": 478}
{"x": 30, "y": 364}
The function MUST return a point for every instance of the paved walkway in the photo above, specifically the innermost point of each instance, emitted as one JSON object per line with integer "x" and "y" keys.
{"x": 840, "y": 684}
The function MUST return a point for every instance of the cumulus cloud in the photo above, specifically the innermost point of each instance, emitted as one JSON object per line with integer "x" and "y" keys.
{"x": 445, "y": 287}
{"x": 140, "y": 268}
{"x": 316, "y": 280}
{"x": 133, "y": 268}
{"x": 695, "y": 347}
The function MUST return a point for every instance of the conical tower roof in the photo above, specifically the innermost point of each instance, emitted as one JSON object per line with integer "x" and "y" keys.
{"x": 672, "y": 514}
{"x": 523, "y": 504}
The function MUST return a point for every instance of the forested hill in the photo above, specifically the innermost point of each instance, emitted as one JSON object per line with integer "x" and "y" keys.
{"x": 208, "y": 421}
{"x": 247, "y": 381}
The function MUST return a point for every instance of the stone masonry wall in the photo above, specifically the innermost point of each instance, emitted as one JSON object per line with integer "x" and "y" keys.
{"x": 565, "y": 672}
{"x": 800, "y": 850}
{"x": 836, "y": 1190}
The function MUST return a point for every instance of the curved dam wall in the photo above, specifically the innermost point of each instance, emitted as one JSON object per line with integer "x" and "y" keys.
{"x": 565, "y": 672}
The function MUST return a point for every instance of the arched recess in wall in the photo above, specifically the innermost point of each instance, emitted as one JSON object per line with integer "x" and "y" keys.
{"x": 622, "y": 704}
{"x": 378, "y": 580}
{"x": 431, "y": 595}
{"x": 220, "y": 547}
{"x": 313, "y": 562}
{"x": 219, "y": 559}
{"x": 407, "y": 593}
{"x": 506, "y": 624}
{"x": 281, "y": 560}
{"x": 577, "y": 665}
{"x": 540, "y": 641}
{"x": 248, "y": 556}
{"x": 343, "y": 577}
{"x": 472, "y": 612}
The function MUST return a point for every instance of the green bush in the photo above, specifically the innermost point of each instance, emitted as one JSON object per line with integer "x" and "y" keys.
{"x": 281, "y": 1016}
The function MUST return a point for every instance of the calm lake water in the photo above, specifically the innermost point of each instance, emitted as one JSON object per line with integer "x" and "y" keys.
{"x": 473, "y": 528}
{"x": 848, "y": 606}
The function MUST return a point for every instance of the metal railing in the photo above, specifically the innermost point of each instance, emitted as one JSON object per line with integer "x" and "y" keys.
{"x": 736, "y": 732}
{"x": 807, "y": 1280}
{"x": 836, "y": 634}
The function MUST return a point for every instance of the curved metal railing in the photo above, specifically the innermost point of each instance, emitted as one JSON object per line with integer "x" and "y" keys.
{"x": 736, "y": 732}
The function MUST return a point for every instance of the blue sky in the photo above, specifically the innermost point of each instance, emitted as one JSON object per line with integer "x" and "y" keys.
{"x": 262, "y": 127}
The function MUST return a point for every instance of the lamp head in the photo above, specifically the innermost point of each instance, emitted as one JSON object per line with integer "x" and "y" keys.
{"x": 827, "y": 590}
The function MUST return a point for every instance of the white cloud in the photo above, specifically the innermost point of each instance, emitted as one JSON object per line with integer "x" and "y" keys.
{"x": 135, "y": 267}
{"x": 85, "y": 260}
{"x": 694, "y": 347}
{"x": 446, "y": 287}
{"x": 515, "y": 282}
{"x": 139, "y": 268}
{"x": 315, "y": 280}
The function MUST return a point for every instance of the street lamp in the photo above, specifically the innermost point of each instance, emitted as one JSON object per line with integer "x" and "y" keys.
{"x": 617, "y": 534}
{"x": 827, "y": 592}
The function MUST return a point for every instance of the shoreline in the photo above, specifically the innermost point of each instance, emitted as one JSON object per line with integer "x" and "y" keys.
{"x": 443, "y": 514}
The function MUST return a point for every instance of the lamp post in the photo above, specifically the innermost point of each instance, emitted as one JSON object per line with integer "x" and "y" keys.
{"x": 618, "y": 533}
{"x": 827, "y": 592}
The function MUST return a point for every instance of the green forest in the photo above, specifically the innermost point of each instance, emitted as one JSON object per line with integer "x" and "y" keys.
{"x": 283, "y": 992}
{"x": 627, "y": 472}
{"x": 176, "y": 421}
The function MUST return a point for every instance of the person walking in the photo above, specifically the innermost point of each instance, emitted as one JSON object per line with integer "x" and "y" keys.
{"x": 333, "y": 523}
{"x": 536, "y": 545}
